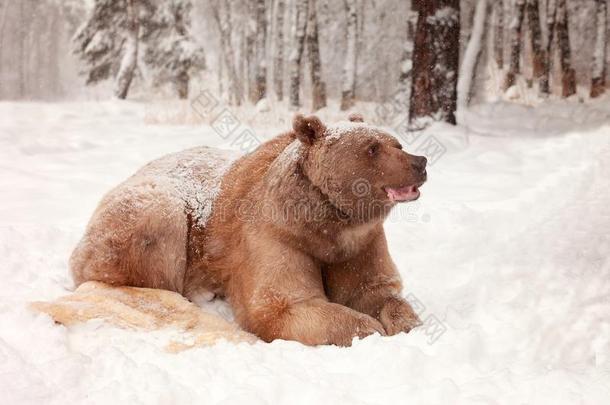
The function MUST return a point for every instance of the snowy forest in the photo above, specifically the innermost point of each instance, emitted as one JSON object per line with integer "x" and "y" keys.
{"x": 305, "y": 52}
{"x": 487, "y": 282}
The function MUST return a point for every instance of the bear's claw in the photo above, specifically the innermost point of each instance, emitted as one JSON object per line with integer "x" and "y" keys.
{"x": 397, "y": 316}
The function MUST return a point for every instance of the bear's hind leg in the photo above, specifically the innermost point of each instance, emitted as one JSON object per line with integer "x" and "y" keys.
{"x": 139, "y": 240}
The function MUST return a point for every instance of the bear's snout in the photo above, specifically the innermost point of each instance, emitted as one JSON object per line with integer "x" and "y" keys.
{"x": 418, "y": 163}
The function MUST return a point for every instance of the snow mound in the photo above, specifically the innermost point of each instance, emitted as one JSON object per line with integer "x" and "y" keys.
{"x": 505, "y": 257}
{"x": 146, "y": 310}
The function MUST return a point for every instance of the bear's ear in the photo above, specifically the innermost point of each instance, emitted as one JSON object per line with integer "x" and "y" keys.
{"x": 356, "y": 117}
{"x": 308, "y": 129}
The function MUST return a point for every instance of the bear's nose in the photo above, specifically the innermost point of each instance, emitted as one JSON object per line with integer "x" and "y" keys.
{"x": 419, "y": 163}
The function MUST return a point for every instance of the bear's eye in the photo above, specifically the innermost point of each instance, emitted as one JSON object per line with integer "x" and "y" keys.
{"x": 373, "y": 149}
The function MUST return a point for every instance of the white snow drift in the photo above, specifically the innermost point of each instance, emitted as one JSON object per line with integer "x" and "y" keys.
{"x": 507, "y": 250}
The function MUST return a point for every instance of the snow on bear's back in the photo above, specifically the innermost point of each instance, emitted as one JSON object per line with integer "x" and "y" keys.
{"x": 193, "y": 177}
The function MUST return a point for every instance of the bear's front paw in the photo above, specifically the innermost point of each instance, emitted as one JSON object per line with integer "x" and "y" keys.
{"x": 356, "y": 325}
{"x": 397, "y": 316}
{"x": 366, "y": 326}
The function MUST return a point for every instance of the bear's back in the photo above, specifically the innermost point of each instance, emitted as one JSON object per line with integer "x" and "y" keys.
{"x": 193, "y": 176}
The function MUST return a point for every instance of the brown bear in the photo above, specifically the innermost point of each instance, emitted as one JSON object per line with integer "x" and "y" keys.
{"x": 290, "y": 234}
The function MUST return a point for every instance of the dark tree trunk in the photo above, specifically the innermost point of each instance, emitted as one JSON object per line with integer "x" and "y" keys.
{"x": 278, "y": 68}
{"x": 435, "y": 60}
{"x": 297, "y": 53}
{"x": 499, "y": 33}
{"x": 261, "y": 57}
{"x": 533, "y": 18}
{"x": 515, "y": 48}
{"x": 182, "y": 85}
{"x": 568, "y": 74}
{"x": 551, "y": 19}
{"x": 598, "y": 78}
{"x": 313, "y": 46}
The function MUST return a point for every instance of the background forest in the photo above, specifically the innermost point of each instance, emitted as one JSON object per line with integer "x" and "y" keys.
{"x": 300, "y": 52}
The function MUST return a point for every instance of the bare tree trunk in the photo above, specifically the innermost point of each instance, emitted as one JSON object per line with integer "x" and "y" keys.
{"x": 130, "y": 52}
{"x": 515, "y": 50}
{"x": 278, "y": 68}
{"x": 598, "y": 77}
{"x": 183, "y": 77}
{"x": 296, "y": 56}
{"x": 499, "y": 33}
{"x": 348, "y": 86}
{"x": 220, "y": 76}
{"x": 222, "y": 16}
{"x": 53, "y": 67}
{"x": 250, "y": 51}
{"x": 241, "y": 62}
{"x": 472, "y": 54}
{"x": 2, "y": 25}
{"x": 22, "y": 39}
{"x": 568, "y": 74}
{"x": 481, "y": 72}
{"x": 434, "y": 90}
{"x": 551, "y": 19}
{"x": 406, "y": 61}
{"x": 182, "y": 85}
{"x": 533, "y": 18}
{"x": 261, "y": 54}
{"x": 313, "y": 46}
{"x": 360, "y": 20}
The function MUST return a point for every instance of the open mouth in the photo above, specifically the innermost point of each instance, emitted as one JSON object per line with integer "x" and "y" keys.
{"x": 402, "y": 194}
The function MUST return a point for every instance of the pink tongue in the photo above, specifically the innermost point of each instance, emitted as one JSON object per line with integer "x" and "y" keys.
{"x": 407, "y": 193}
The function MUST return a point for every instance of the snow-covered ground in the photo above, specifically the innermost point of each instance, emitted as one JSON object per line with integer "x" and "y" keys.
{"x": 507, "y": 250}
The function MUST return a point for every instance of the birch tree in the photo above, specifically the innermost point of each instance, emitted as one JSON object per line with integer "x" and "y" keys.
{"x": 108, "y": 42}
{"x": 260, "y": 76}
{"x": 313, "y": 48}
{"x": 568, "y": 74}
{"x": 498, "y": 10}
{"x": 515, "y": 44}
{"x": 130, "y": 52}
{"x": 296, "y": 56}
{"x": 3, "y": 18}
{"x": 250, "y": 31}
{"x": 52, "y": 51}
{"x": 435, "y": 61}
{"x": 533, "y": 18}
{"x": 472, "y": 54}
{"x": 406, "y": 61}
{"x": 551, "y": 12}
{"x": 22, "y": 45}
{"x": 348, "y": 86}
{"x": 558, "y": 31}
{"x": 222, "y": 16}
{"x": 278, "y": 64}
{"x": 598, "y": 77}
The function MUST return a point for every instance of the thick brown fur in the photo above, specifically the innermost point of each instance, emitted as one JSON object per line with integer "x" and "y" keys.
{"x": 295, "y": 241}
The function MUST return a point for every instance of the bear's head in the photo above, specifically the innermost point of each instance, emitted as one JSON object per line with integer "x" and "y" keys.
{"x": 361, "y": 168}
